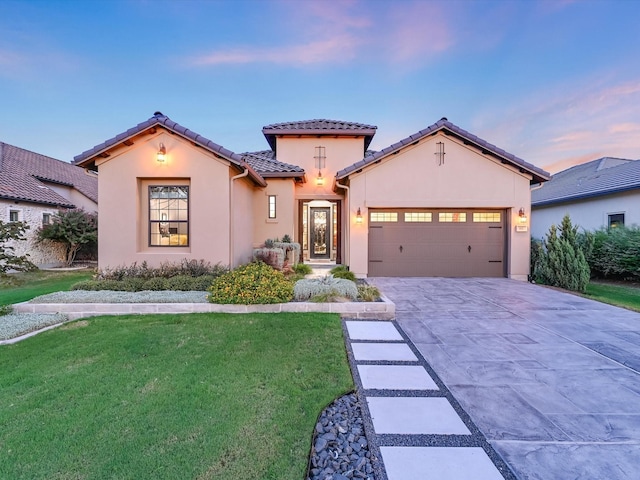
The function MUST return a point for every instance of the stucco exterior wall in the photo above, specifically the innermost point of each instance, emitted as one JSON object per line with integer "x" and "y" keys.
{"x": 284, "y": 223}
{"x": 42, "y": 254}
{"x": 588, "y": 214}
{"x": 241, "y": 242}
{"x": 466, "y": 178}
{"x": 75, "y": 197}
{"x": 124, "y": 179}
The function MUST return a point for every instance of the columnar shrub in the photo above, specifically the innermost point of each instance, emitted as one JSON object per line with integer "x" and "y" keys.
{"x": 308, "y": 288}
{"x": 561, "y": 262}
{"x": 254, "y": 283}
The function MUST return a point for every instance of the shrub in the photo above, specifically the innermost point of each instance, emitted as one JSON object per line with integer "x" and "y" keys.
{"x": 254, "y": 283}
{"x": 342, "y": 271}
{"x": 615, "y": 253}
{"x": 5, "y": 309}
{"x": 302, "y": 269}
{"x": 273, "y": 257}
{"x": 192, "y": 268}
{"x": 155, "y": 284}
{"x": 286, "y": 238}
{"x": 72, "y": 228}
{"x": 561, "y": 262}
{"x": 368, "y": 293}
{"x": 308, "y": 288}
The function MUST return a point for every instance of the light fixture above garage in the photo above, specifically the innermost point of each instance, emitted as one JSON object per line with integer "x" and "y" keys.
{"x": 359, "y": 216}
{"x": 162, "y": 152}
{"x": 522, "y": 215}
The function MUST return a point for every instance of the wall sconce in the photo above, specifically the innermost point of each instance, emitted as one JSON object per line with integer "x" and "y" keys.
{"x": 359, "y": 216}
{"x": 319, "y": 179}
{"x": 162, "y": 152}
{"x": 522, "y": 215}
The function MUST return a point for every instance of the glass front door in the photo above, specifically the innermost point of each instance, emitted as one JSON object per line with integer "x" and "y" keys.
{"x": 320, "y": 233}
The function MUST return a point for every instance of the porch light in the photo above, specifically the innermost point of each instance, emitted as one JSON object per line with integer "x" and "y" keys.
{"x": 359, "y": 216}
{"x": 162, "y": 151}
{"x": 522, "y": 215}
{"x": 319, "y": 179}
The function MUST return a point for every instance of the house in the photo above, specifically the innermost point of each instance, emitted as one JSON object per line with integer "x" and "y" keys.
{"x": 601, "y": 193}
{"x": 35, "y": 187}
{"x": 441, "y": 202}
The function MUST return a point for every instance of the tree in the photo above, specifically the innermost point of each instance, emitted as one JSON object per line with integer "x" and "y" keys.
{"x": 561, "y": 261}
{"x": 13, "y": 231}
{"x": 73, "y": 228}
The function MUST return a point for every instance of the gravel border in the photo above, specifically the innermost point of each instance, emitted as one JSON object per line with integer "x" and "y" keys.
{"x": 15, "y": 325}
{"x": 111, "y": 296}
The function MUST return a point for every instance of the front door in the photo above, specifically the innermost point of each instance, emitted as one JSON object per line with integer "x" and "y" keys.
{"x": 320, "y": 233}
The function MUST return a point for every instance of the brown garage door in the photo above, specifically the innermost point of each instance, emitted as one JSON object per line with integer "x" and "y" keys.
{"x": 437, "y": 243}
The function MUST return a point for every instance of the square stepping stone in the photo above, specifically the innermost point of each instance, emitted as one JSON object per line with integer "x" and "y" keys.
{"x": 390, "y": 352}
{"x": 372, "y": 331}
{"x": 395, "y": 377}
{"x": 443, "y": 463}
{"x": 415, "y": 415}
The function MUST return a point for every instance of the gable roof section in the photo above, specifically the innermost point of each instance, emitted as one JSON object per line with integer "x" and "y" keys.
{"x": 24, "y": 176}
{"x": 449, "y": 128}
{"x": 266, "y": 164}
{"x": 319, "y": 127}
{"x": 149, "y": 126}
{"x": 603, "y": 176}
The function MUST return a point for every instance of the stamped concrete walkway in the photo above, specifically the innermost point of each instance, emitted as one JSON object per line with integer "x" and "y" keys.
{"x": 551, "y": 379}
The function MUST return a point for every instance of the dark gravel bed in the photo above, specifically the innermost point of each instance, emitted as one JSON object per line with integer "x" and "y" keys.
{"x": 340, "y": 449}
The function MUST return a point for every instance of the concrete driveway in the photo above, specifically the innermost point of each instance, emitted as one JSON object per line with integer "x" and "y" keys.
{"x": 551, "y": 379}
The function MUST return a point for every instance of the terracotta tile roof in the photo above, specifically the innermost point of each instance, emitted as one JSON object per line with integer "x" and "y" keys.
{"x": 266, "y": 164}
{"x": 24, "y": 176}
{"x": 318, "y": 127}
{"x": 603, "y": 176}
{"x": 160, "y": 120}
{"x": 443, "y": 124}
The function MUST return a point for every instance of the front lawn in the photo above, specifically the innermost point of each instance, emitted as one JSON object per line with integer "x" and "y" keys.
{"x": 626, "y": 295}
{"x": 199, "y": 396}
{"x": 20, "y": 287}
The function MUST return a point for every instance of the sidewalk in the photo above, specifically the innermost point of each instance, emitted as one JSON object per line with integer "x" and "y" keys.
{"x": 420, "y": 429}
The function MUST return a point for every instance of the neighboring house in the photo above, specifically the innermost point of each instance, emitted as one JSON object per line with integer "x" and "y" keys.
{"x": 33, "y": 188}
{"x": 441, "y": 202}
{"x": 601, "y": 193}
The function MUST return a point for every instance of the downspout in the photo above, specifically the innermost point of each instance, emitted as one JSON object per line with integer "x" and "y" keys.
{"x": 347, "y": 241}
{"x": 231, "y": 219}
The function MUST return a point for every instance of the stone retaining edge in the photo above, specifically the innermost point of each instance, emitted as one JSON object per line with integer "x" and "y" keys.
{"x": 384, "y": 310}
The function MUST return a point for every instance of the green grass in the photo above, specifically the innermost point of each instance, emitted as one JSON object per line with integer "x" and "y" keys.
{"x": 619, "y": 294}
{"x": 20, "y": 287}
{"x": 199, "y": 396}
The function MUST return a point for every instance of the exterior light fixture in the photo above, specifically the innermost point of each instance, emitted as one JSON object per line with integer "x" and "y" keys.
{"x": 359, "y": 216}
{"x": 522, "y": 215}
{"x": 319, "y": 179}
{"x": 162, "y": 152}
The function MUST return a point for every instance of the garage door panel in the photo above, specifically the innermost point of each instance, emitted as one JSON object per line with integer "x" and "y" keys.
{"x": 434, "y": 248}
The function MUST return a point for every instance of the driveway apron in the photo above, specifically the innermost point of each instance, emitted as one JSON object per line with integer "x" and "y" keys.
{"x": 551, "y": 379}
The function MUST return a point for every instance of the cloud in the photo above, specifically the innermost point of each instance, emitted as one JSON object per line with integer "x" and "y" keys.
{"x": 318, "y": 32}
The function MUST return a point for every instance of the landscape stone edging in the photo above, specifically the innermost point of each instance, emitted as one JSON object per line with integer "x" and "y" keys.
{"x": 383, "y": 310}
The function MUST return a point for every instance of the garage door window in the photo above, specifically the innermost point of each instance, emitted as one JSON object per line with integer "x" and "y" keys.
{"x": 417, "y": 217}
{"x": 486, "y": 217}
{"x": 452, "y": 217}
{"x": 384, "y": 216}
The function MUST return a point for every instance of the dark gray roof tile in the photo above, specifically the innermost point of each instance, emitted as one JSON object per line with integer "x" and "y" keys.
{"x": 24, "y": 176}
{"x": 603, "y": 176}
{"x": 266, "y": 164}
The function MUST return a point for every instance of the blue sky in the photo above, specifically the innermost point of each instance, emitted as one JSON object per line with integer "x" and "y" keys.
{"x": 553, "y": 82}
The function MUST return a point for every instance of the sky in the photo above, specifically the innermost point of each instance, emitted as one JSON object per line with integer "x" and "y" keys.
{"x": 555, "y": 83}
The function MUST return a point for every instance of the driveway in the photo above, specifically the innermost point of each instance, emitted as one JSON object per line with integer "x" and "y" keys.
{"x": 551, "y": 379}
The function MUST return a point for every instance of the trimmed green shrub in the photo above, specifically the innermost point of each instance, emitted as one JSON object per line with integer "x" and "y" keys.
{"x": 254, "y": 283}
{"x": 302, "y": 269}
{"x": 155, "y": 284}
{"x": 561, "y": 262}
{"x": 342, "y": 271}
{"x": 191, "y": 268}
{"x": 308, "y": 288}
